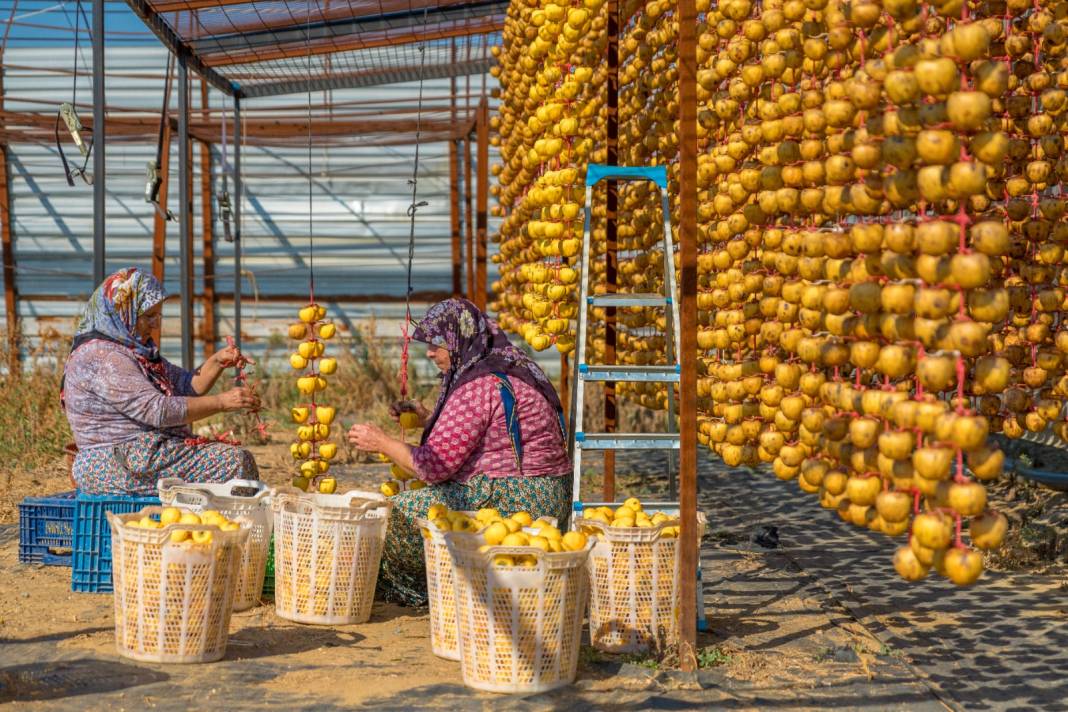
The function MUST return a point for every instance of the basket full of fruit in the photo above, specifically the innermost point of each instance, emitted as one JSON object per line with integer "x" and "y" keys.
{"x": 327, "y": 548}
{"x": 519, "y": 606}
{"x": 440, "y": 580}
{"x": 634, "y": 572}
{"x": 250, "y": 499}
{"x": 175, "y": 574}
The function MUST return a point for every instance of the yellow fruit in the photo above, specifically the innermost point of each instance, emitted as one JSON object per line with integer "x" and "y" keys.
{"x": 308, "y": 314}
{"x": 147, "y": 523}
{"x": 201, "y": 537}
{"x": 574, "y": 541}
{"x": 623, "y": 512}
{"x": 179, "y": 535}
{"x": 495, "y": 533}
{"x": 306, "y": 349}
{"x": 549, "y": 532}
{"x": 416, "y": 485}
{"x": 324, "y": 414}
{"x": 327, "y": 485}
{"x": 321, "y": 430}
{"x": 399, "y": 472}
{"x": 436, "y": 510}
{"x": 297, "y": 331}
{"x": 327, "y": 331}
{"x": 299, "y": 414}
{"x": 409, "y": 420}
{"x": 555, "y": 546}
{"x": 186, "y": 518}
{"x": 486, "y": 513}
{"x": 623, "y": 522}
{"x": 389, "y": 488}
{"x": 633, "y": 503}
{"x": 320, "y": 383}
{"x": 516, "y": 539}
{"x": 306, "y": 432}
{"x": 327, "y": 451}
{"x": 298, "y": 362}
{"x": 212, "y": 517}
{"x": 523, "y": 518}
{"x": 320, "y": 312}
{"x": 503, "y": 560}
{"x": 309, "y": 469}
{"x": 540, "y": 542}
{"x": 328, "y": 366}
{"x": 229, "y": 526}
{"x": 306, "y": 385}
{"x": 300, "y": 482}
{"x": 443, "y": 524}
{"x": 170, "y": 515}
{"x": 513, "y": 525}
{"x": 670, "y": 532}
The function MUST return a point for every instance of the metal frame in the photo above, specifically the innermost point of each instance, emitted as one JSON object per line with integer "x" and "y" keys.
{"x": 238, "y": 197}
{"x": 185, "y": 217}
{"x": 99, "y": 147}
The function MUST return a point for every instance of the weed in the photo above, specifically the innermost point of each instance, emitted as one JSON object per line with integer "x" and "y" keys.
{"x": 644, "y": 661}
{"x": 711, "y": 657}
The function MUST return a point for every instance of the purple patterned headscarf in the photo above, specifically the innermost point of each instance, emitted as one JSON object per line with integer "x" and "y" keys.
{"x": 477, "y": 347}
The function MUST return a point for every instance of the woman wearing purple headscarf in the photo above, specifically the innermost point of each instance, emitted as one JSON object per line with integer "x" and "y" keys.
{"x": 130, "y": 409}
{"x": 494, "y": 439}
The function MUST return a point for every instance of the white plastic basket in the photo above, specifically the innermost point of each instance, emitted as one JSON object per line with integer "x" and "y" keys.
{"x": 440, "y": 589}
{"x": 173, "y": 600}
{"x": 327, "y": 548}
{"x": 634, "y": 591}
{"x": 229, "y": 499}
{"x": 519, "y": 628}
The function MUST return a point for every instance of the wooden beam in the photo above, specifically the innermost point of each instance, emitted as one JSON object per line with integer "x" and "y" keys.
{"x": 611, "y": 246}
{"x": 207, "y": 234}
{"x": 482, "y": 220}
{"x": 469, "y": 222}
{"x": 7, "y": 233}
{"x": 688, "y": 539}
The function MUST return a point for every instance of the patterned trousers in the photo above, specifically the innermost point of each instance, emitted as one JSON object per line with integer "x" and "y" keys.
{"x": 402, "y": 578}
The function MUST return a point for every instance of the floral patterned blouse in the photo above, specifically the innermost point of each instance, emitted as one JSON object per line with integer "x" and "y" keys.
{"x": 470, "y": 436}
{"x": 110, "y": 399}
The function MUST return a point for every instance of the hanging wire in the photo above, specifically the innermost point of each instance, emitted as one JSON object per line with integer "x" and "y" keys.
{"x": 412, "y": 209}
{"x": 311, "y": 219}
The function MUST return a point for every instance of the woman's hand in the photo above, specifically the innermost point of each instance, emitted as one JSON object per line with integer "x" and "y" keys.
{"x": 368, "y": 438}
{"x": 408, "y": 406}
{"x": 230, "y": 356}
{"x": 240, "y": 398}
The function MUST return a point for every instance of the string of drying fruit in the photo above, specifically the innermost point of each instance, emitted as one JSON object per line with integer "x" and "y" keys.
{"x": 240, "y": 379}
{"x": 312, "y": 449}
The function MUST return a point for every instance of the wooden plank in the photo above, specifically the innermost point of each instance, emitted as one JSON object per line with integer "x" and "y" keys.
{"x": 469, "y": 222}
{"x": 611, "y": 243}
{"x": 207, "y": 234}
{"x": 11, "y": 296}
{"x": 688, "y": 539}
{"x": 482, "y": 206}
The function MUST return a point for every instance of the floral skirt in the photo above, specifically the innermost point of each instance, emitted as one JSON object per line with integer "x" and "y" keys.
{"x": 402, "y": 578}
{"x": 136, "y": 465}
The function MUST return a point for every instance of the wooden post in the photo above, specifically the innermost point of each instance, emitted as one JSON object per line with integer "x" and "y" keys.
{"x": 159, "y": 222}
{"x": 688, "y": 543}
{"x": 482, "y": 204}
{"x": 185, "y": 215}
{"x": 611, "y": 244}
{"x": 454, "y": 210}
{"x": 208, "y": 231}
{"x": 469, "y": 221}
{"x": 11, "y": 295}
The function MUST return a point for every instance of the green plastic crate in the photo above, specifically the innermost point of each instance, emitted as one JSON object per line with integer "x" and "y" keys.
{"x": 268, "y": 578}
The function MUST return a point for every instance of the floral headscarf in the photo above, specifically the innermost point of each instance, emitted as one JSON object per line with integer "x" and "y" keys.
{"x": 477, "y": 347}
{"x": 112, "y": 313}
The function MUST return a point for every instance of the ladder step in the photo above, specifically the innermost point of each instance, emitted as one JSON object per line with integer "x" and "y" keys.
{"x": 628, "y": 300}
{"x": 627, "y": 441}
{"x": 654, "y": 374}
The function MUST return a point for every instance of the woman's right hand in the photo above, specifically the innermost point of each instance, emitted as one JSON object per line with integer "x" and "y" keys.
{"x": 240, "y": 398}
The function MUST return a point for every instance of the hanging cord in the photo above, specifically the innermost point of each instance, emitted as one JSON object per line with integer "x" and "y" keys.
{"x": 226, "y": 214}
{"x": 412, "y": 209}
{"x": 153, "y": 178}
{"x": 311, "y": 221}
{"x": 70, "y": 117}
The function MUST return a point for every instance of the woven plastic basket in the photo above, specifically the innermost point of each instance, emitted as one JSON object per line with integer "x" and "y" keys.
{"x": 173, "y": 600}
{"x": 250, "y": 499}
{"x": 327, "y": 548}
{"x": 519, "y": 627}
{"x": 634, "y": 575}
{"x": 440, "y": 588}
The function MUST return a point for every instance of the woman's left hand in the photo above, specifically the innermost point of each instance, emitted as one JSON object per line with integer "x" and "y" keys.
{"x": 230, "y": 356}
{"x": 367, "y": 437}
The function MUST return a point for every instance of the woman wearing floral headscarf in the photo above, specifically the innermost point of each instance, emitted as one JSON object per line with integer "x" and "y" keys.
{"x": 130, "y": 409}
{"x": 494, "y": 439}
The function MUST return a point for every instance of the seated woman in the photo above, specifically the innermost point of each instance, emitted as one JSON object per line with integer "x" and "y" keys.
{"x": 495, "y": 439}
{"x": 130, "y": 409}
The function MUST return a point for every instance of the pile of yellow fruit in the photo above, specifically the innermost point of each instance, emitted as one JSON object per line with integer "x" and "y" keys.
{"x": 175, "y": 515}
{"x": 881, "y": 232}
{"x": 498, "y": 530}
{"x": 630, "y": 514}
{"x": 403, "y": 481}
{"x": 311, "y": 449}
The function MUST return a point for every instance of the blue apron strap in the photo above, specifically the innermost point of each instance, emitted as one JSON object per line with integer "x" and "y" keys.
{"x": 511, "y": 417}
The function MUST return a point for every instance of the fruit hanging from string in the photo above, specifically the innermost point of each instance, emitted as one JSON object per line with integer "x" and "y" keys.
{"x": 312, "y": 448}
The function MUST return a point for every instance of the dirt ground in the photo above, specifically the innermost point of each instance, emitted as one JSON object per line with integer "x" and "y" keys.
{"x": 819, "y": 622}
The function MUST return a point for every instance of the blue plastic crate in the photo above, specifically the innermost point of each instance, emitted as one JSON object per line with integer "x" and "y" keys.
{"x": 91, "y": 570}
{"x": 46, "y": 529}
